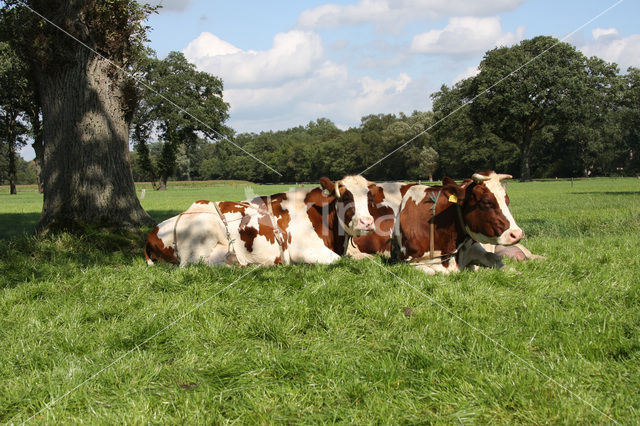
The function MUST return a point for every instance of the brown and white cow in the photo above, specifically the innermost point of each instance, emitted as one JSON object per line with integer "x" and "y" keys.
{"x": 458, "y": 216}
{"x": 306, "y": 225}
{"x": 383, "y": 203}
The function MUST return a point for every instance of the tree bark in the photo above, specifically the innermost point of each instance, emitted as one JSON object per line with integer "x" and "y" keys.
{"x": 163, "y": 183}
{"x": 38, "y": 145}
{"x": 86, "y": 173}
{"x": 12, "y": 165}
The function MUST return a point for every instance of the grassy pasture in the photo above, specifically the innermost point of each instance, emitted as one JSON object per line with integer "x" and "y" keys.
{"x": 89, "y": 333}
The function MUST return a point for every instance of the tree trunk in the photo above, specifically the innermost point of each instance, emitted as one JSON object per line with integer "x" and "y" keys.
{"x": 163, "y": 183}
{"x": 38, "y": 146}
{"x": 85, "y": 169}
{"x": 525, "y": 150}
{"x": 12, "y": 164}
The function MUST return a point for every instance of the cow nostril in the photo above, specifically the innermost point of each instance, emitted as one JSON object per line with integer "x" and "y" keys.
{"x": 516, "y": 235}
{"x": 366, "y": 222}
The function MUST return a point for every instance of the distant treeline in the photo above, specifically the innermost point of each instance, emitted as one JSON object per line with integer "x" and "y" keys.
{"x": 562, "y": 115}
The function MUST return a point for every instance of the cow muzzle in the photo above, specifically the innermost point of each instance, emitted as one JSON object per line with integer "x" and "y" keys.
{"x": 363, "y": 226}
{"x": 511, "y": 236}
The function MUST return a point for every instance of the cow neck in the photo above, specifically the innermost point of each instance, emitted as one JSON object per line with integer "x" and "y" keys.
{"x": 326, "y": 227}
{"x": 448, "y": 256}
{"x": 276, "y": 229}
{"x": 230, "y": 248}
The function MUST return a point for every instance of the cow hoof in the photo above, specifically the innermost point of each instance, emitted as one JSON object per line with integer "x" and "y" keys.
{"x": 231, "y": 260}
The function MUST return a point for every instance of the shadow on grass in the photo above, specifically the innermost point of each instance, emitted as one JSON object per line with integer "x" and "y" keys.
{"x": 15, "y": 224}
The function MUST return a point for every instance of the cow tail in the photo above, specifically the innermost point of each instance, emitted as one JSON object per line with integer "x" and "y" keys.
{"x": 395, "y": 250}
{"x": 147, "y": 254}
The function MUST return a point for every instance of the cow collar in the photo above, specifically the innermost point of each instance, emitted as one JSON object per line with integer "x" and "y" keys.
{"x": 448, "y": 256}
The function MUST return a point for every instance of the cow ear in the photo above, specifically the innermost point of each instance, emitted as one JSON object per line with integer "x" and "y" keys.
{"x": 453, "y": 191}
{"x": 327, "y": 186}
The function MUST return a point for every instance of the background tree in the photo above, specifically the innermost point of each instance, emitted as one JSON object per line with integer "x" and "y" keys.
{"x": 87, "y": 105}
{"x": 548, "y": 89}
{"x": 428, "y": 161}
{"x": 199, "y": 93}
{"x": 630, "y": 120}
{"x": 16, "y": 96}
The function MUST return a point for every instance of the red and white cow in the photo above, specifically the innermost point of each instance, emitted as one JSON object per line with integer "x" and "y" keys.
{"x": 306, "y": 225}
{"x": 384, "y": 204}
{"x": 456, "y": 217}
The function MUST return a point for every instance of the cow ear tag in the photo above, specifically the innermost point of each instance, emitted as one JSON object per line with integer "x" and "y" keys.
{"x": 326, "y": 192}
{"x": 453, "y": 198}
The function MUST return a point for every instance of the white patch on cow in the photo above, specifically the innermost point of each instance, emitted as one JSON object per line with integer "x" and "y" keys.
{"x": 359, "y": 188}
{"x": 499, "y": 192}
{"x": 305, "y": 246}
{"x": 392, "y": 195}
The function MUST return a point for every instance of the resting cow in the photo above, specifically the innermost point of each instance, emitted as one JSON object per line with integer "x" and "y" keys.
{"x": 383, "y": 203}
{"x": 438, "y": 226}
{"x": 301, "y": 225}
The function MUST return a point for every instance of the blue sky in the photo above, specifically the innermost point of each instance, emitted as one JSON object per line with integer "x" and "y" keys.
{"x": 285, "y": 63}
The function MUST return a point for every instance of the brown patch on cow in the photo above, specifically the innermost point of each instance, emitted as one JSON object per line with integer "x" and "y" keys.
{"x": 282, "y": 219}
{"x": 247, "y": 233}
{"x": 405, "y": 188}
{"x": 327, "y": 185}
{"x": 481, "y": 211}
{"x": 232, "y": 207}
{"x": 278, "y": 261}
{"x": 415, "y": 221}
{"x": 155, "y": 250}
{"x": 265, "y": 228}
{"x": 202, "y": 202}
{"x": 378, "y": 241}
{"x": 321, "y": 211}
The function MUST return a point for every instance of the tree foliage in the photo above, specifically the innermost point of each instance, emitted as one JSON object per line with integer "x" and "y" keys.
{"x": 178, "y": 105}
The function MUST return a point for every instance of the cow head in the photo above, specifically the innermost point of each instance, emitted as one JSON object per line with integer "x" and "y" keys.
{"x": 352, "y": 194}
{"x": 485, "y": 208}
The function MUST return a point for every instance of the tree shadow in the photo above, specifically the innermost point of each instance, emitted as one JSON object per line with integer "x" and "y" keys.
{"x": 16, "y": 224}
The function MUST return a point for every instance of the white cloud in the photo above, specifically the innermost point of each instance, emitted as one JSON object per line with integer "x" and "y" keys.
{"x": 389, "y": 14}
{"x": 603, "y": 32}
{"x": 610, "y": 46}
{"x": 293, "y": 83}
{"x": 292, "y": 55}
{"x": 469, "y": 72}
{"x": 465, "y": 35}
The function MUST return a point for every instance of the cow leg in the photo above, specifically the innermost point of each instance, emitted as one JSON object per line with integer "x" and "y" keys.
{"x": 356, "y": 254}
{"x": 220, "y": 256}
{"x": 528, "y": 254}
{"x": 474, "y": 254}
{"x": 427, "y": 269}
{"x": 323, "y": 257}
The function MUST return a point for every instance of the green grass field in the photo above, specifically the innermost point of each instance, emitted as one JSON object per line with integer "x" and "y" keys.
{"x": 90, "y": 334}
